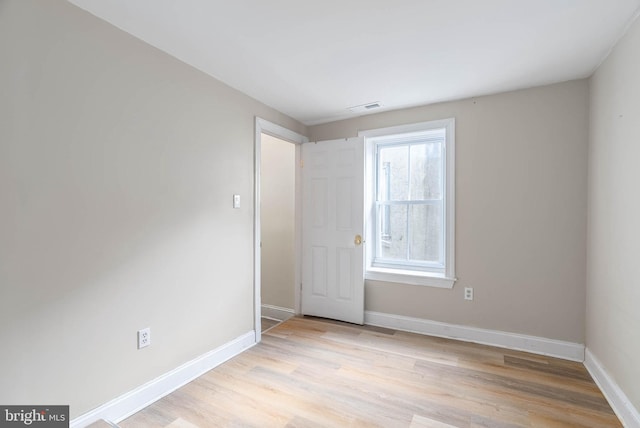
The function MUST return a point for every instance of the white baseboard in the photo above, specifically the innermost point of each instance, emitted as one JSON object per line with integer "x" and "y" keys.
{"x": 277, "y": 313}
{"x": 126, "y": 405}
{"x": 534, "y": 344}
{"x": 618, "y": 400}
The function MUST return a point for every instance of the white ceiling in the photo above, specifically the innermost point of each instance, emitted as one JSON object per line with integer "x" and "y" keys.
{"x": 313, "y": 59}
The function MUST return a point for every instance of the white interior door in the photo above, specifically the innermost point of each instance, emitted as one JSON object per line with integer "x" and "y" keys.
{"x": 332, "y": 227}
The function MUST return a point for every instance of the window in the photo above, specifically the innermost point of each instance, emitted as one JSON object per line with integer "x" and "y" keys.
{"x": 410, "y": 204}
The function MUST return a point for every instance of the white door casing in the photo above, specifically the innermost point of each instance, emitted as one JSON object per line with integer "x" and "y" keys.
{"x": 264, "y": 126}
{"x": 332, "y": 228}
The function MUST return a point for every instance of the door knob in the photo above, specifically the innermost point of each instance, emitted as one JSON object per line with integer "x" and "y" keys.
{"x": 357, "y": 240}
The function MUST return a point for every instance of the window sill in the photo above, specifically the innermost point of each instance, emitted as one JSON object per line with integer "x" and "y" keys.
{"x": 411, "y": 277}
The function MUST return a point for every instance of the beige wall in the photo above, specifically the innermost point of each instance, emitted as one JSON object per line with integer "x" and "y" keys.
{"x": 277, "y": 217}
{"x": 117, "y": 168}
{"x": 521, "y": 174}
{"x": 613, "y": 291}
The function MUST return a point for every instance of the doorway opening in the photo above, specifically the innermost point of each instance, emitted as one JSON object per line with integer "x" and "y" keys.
{"x": 277, "y": 232}
{"x": 277, "y": 223}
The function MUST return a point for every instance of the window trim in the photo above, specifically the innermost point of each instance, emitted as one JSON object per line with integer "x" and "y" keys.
{"x": 446, "y": 278}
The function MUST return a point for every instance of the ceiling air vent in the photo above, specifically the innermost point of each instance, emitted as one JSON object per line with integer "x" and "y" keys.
{"x": 365, "y": 107}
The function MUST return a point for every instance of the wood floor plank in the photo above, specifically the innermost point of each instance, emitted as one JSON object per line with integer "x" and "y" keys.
{"x": 508, "y": 385}
{"x": 181, "y": 423}
{"x": 556, "y": 369}
{"x": 310, "y": 372}
{"x": 268, "y": 323}
{"x": 422, "y": 422}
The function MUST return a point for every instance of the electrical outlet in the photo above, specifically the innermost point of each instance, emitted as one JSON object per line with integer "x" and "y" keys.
{"x": 144, "y": 338}
{"x": 468, "y": 293}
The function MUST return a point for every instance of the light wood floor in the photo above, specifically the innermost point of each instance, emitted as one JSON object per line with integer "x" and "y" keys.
{"x": 309, "y": 372}
{"x": 268, "y": 323}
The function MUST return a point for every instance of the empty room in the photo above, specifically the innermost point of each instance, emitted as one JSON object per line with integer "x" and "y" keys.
{"x": 419, "y": 213}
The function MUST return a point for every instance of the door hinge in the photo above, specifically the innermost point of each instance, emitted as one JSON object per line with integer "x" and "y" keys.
{"x": 301, "y": 163}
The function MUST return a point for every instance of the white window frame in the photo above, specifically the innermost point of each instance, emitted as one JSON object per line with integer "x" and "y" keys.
{"x": 442, "y": 278}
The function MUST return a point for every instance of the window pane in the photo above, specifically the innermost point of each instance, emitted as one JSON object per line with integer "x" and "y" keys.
{"x": 393, "y": 162}
{"x": 426, "y": 171}
{"x": 426, "y": 233}
{"x": 392, "y": 229}
{"x": 411, "y": 194}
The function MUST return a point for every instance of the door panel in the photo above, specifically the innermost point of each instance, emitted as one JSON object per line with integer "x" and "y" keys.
{"x": 332, "y": 217}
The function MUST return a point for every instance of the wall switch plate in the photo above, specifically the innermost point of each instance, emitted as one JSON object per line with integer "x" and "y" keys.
{"x": 468, "y": 293}
{"x": 236, "y": 201}
{"x": 144, "y": 337}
